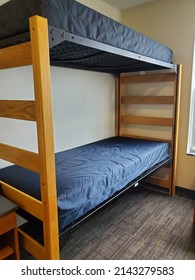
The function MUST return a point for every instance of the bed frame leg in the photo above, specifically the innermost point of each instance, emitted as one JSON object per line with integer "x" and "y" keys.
{"x": 176, "y": 126}
{"x": 42, "y": 88}
{"x": 194, "y": 211}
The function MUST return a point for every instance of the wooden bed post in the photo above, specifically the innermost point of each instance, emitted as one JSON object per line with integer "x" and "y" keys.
{"x": 176, "y": 125}
{"x": 42, "y": 88}
{"x": 116, "y": 106}
{"x": 120, "y": 93}
{"x": 194, "y": 213}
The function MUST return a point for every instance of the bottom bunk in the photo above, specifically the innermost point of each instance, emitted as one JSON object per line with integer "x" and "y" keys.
{"x": 91, "y": 175}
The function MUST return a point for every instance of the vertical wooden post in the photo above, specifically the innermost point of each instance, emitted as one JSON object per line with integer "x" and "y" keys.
{"x": 173, "y": 142}
{"x": 176, "y": 127}
{"x": 42, "y": 87}
{"x": 194, "y": 213}
{"x": 120, "y": 106}
{"x": 116, "y": 105}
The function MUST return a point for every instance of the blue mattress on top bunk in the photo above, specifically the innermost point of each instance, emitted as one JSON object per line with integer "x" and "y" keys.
{"x": 90, "y": 174}
{"x": 75, "y": 18}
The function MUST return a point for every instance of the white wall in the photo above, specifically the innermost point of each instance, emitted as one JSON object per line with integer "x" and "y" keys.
{"x": 83, "y": 107}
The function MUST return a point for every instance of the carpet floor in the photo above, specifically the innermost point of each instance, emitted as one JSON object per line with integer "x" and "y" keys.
{"x": 142, "y": 224}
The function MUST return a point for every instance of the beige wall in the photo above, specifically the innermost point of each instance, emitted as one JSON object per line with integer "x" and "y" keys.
{"x": 102, "y": 8}
{"x": 172, "y": 22}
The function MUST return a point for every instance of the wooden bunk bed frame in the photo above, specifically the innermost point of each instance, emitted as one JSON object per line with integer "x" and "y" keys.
{"x": 36, "y": 53}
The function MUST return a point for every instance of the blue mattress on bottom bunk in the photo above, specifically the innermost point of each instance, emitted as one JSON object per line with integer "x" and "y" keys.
{"x": 90, "y": 174}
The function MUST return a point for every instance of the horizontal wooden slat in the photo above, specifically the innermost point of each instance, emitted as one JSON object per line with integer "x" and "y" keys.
{"x": 152, "y": 78}
{"x": 23, "y": 200}
{"x": 5, "y": 251}
{"x": 147, "y": 120}
{"x": 20, "y": 157}
{"x": 159, "y": 182}
{"x": 16, "y": 109}
{"x": 147, "y": 100}
{"x": 146, "y": 138}
{"x": 31, "y": 245}
{"x": 15, "y": 56}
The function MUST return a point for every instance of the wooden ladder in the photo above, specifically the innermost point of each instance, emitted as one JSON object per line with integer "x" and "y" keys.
{"x": 35, "y": 53}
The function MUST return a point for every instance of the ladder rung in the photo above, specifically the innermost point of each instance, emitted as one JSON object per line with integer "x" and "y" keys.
{"x": 16, "y": 109}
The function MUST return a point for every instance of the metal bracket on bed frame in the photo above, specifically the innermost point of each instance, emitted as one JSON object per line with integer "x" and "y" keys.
{"x": 57, "y": 36}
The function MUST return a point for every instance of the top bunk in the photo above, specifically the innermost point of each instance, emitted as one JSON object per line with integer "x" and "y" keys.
{"x": 82, "y": 38}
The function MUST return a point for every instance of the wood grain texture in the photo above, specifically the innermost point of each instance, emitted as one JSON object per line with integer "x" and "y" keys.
{"x": 147, "y": 100}
{"x": 18, "y": 109}
{"x": 151, "y": 78}
{"x": 32, "y": 246}
{"x": 23, "y": 200}
{"x": 147, "y": 120}
{"x": 176, "y": 124}
{"x": 20, "y": 157}
{"x": 42, "y": 86}
{"x": 16, "y": 56}
{"x": 146, "y": 138}
{"x": 128, "y": 101}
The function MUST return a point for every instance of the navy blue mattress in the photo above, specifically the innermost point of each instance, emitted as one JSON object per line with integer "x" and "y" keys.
{"x": 78, "y": 19}
{"x": 90, "y": 174}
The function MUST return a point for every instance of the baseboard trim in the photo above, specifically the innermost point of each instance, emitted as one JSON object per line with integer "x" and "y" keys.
{"x": 185, "y": 192}
{"x": 178, "y": 190}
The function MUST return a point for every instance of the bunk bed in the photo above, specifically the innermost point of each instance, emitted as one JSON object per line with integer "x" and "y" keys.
{"x": 60, "y": 190}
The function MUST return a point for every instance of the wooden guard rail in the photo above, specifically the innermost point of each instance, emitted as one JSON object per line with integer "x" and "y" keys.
{"x": 151, "y": 121}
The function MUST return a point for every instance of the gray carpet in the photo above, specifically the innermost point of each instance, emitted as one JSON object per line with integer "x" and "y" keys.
{"x": 140, "y": 225}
